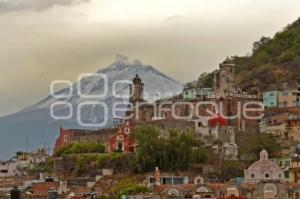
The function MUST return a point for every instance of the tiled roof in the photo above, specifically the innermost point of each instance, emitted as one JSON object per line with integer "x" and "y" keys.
{"x": 264, "y": 165}
{"x": 217, "y": 186}
{"x": 43, "y": 188}
{"x": 248, "y": 186}
{"x": 233, "y": 197}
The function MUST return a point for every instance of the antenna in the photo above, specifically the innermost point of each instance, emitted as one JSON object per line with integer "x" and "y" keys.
{"x": 27, "y": 142}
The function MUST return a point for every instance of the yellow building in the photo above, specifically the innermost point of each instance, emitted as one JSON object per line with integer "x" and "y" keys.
{"x": 289, "y": 98}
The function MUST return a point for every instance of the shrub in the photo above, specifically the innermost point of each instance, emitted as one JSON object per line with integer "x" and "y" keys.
{"x": 127, "y": 186}
{"x": 81, "y": 148}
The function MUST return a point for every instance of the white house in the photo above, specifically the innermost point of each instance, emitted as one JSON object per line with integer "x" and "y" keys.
{"x": 8, "y": 168}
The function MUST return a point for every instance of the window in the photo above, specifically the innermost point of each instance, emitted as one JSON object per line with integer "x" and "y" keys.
{"x": 267, "y": 175}
{"x": 252, "y": 175}
{"x": 286, "y": 174}
{"x": 199, "y": 124}
{"x": 152, "y": 180}
{"x": 167, "y": 180}
{"x": 178, "y": 180}
{"x": 65, "y": 138}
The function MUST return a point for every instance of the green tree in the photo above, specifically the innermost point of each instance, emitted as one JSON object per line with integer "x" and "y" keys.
{"x": 176, "y": 152}
{"x": 127, "y": 186}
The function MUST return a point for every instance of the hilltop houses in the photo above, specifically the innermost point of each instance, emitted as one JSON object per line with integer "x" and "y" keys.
{"x": 217, "y": 130}
{"x": 8, "y": 168}
{"x": 224, "y": 94}
{"x": 290, "y": 97}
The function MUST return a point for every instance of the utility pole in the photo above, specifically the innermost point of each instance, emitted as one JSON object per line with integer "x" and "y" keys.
{"x": 27, "y": 142}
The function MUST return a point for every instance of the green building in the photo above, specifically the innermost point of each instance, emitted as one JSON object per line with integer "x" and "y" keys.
{"x": 193, "y": 93}
{"x": 286, "y": 164}
{"x": 270, "y": 99}
{"x": 189, "y": 93}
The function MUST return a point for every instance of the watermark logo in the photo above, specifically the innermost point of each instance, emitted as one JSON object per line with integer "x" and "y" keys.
{"x": 93, "y": 109}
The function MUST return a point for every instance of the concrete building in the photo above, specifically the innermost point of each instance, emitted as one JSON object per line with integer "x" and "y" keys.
{"x": 282, "y": 99}
{"x": 289, "y": 98}
{"x": 8, "y": 168}
{"x": 286, "y": 165}
{"x": 295, "y": 167}
{"x": 159, "y": 179}
{"x": 279, "y": 130}
{"x": 286, "y": 99}
{"x": 263, "y": 169}
{"x": 191, "y": 93}
{"x": 293, "y": 127}
{"x": 270, "y": 99}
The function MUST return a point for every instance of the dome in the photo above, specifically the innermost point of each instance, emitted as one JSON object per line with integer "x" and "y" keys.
{"x": 264, "y": 164}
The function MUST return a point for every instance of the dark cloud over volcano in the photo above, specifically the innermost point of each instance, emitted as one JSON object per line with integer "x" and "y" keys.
{"x": 38, "y": 5}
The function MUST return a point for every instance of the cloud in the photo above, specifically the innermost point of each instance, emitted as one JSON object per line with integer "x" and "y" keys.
{"x": 37, "y": 5}
{"x": 123, "y": 59}
{"x": 173, "y": 18}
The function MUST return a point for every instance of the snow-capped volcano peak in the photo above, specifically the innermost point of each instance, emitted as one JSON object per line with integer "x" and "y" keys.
{"x": 36, "y": 120}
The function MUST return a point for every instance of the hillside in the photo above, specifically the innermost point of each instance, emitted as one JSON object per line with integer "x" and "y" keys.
{"x": 273, "y": 61}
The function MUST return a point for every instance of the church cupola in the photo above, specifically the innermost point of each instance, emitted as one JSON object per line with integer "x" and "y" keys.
{"x": 264, "y": 155}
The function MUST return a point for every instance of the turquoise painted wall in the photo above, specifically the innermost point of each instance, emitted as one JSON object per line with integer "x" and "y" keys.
{"x": 270, "y": 99}
{"x": 189, "y": 93}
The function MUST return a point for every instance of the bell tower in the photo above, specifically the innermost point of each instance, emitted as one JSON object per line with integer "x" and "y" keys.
{"x": 224, "y": 80}
{"x": 136, "y": 89}
{"x": 264, "y": 155}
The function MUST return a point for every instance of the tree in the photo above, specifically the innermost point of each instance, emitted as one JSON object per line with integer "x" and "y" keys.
{"x": 261, "y": 43}
{"x": 176, "y": 152}
{"x": 127, "y": 186}
{"x": 81, "y": 148}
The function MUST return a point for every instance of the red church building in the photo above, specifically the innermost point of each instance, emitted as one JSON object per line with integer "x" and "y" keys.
{"x": 122, "y": 140}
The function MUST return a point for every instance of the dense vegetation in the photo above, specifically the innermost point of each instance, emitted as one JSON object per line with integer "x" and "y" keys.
{"x": 273, "y": 61}
{"x": 86, "y": 163}
{"x": 250, "y": 145}
{"x": 177, "y": 152}
{"x": 128, "y": 186}
{"x": 81, "y": 148}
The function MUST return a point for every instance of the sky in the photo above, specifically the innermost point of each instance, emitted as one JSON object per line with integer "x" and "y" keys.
{"x": 46, "y": 40}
